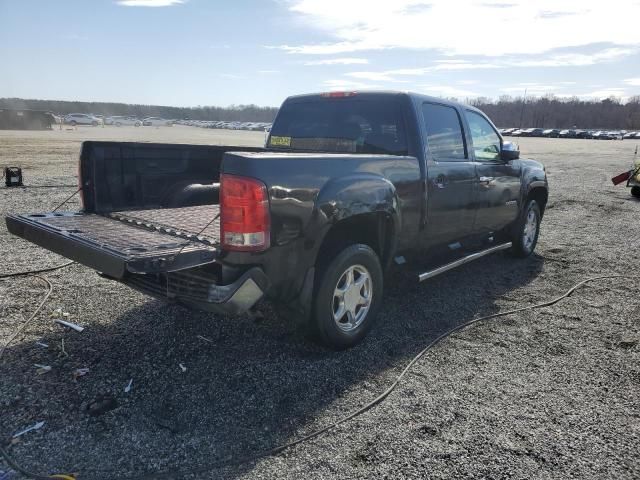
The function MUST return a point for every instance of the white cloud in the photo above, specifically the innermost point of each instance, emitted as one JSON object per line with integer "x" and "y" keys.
{"x": 577, "y": 59}
{"x": 633, "y": 81}
{"x": 605, "y": 93}
{"x": 340, "y": 84}
{"x": 467, "y": 27}
{"x": 534, "y": 89}
{"x": 390, "y": 75}
{"x": 338, "y": 61}
{"x": 268, "y": 72}
{"x": 447, "y": 91}
{"x": 149, "y": 3}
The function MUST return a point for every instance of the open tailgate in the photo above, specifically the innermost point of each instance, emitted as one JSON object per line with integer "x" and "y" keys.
{"x": 145, "y": 241}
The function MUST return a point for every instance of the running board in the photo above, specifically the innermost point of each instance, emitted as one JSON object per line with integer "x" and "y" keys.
{"x": 462, "y": 261}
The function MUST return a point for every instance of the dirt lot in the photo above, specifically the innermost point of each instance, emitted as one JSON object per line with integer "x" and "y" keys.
{"x": 550, "y": 393}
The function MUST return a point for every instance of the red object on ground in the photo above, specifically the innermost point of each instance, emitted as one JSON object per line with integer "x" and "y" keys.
{"x": 623, "y": 177}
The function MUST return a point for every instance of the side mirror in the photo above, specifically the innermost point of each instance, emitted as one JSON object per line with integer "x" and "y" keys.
{"x": 510, "y": 151}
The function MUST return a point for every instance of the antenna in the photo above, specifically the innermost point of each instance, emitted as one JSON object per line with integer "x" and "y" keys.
{"x": 524, "y": 101}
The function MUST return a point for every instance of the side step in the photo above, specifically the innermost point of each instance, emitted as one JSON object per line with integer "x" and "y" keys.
{"x": 462, "y": 261}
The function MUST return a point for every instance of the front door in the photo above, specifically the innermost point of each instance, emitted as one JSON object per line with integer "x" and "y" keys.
{"x": 451, "y": 177}
{"x": 498, "y": 183}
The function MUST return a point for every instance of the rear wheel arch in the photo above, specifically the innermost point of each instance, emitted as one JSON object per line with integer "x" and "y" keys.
{"x": 376, "y": 230}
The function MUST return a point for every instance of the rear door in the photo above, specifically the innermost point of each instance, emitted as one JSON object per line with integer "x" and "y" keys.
{"x": 498, "y": 183}
{"x": 451, "y": 176}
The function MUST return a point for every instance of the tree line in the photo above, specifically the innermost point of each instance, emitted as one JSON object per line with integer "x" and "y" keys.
{"x": 553, "y": 112}
{"x": 240, "y": 113}
{"x": 538, "y": 112}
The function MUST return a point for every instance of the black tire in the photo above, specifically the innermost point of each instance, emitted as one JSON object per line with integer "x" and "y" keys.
{"x": 118, "y": 124}
{"x": 360, "y": 258}
{"x": 73, "y": 123}
{"x": 94, "y": 124}
{"x": 635, "y": 191}
{"x": 523, "y": 243}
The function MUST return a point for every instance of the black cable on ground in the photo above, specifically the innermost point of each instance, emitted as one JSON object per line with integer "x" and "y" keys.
{"x": 7, "y": 458}
{"x": 49, "y": 186}
{"x": 35, "y": 312}
{"x": 67, "y": 199}
{"x": 32, "y": 272}
{"x": 173, "y": 474}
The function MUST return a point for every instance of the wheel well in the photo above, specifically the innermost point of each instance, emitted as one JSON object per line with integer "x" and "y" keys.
{"x": 372, "y": 229}
{"x": 540, "y": 195}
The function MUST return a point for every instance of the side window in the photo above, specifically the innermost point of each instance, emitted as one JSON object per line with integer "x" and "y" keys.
{"x": 486, "y": 142}
{"x": 444, "y": 132}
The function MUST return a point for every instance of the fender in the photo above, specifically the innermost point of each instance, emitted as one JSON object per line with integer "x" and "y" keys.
{"x": 353, "y": 195}
{"x": 533, "y": 176}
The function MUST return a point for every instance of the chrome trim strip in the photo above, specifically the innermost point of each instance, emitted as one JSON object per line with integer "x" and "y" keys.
{"x": 462, "y": 261}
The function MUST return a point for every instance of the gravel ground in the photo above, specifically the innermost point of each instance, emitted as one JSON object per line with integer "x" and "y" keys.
{"x": 550, "y": 393}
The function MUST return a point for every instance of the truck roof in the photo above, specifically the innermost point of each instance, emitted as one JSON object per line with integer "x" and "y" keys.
{"x": 381, "y": 93}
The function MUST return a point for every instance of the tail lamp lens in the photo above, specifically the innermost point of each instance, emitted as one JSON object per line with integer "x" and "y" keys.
{"x": 244, "y": 214}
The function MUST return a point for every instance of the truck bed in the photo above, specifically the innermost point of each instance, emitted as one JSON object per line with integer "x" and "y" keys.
{"x": 137, "y": 241}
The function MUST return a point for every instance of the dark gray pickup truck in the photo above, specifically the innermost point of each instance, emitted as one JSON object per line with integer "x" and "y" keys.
{"x": 349, "y": 183}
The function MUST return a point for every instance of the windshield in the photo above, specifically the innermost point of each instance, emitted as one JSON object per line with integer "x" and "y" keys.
{"x": 341, "y": 125}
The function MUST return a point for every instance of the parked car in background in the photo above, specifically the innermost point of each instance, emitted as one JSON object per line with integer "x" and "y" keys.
{"x": 516, "y": 133}
{"x": 81, "y": 119}
{"x": 584, "y": 134}
{"x": 551, "y": 133}
{"x": 532, "y": 132}
{"x": 567, "y": 133}
{"x": 630, "y": 135}
{"x": 603, "y": 135}
{"x": 120, "y": 121}
{"x": 156, "y": 122}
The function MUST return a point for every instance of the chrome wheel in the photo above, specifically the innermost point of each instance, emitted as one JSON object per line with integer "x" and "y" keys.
{"x": 530, "y": 230}
{"x": 352, "y": 298}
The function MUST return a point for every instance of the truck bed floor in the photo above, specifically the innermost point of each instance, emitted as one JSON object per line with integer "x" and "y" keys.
{"x": 143, "y": 241}
{"x": 200, "y": 223}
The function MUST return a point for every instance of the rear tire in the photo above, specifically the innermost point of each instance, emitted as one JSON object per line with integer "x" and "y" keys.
{"x": 527, "y": 230}
{"x": 347, "y": 297}
{"x": 73, "y": 123}
{"x": 635, "y": 191}
{"x": 94, "y": 124}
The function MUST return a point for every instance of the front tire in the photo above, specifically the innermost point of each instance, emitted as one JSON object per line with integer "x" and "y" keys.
{"x": 347, "y": 297}
{"x": 527, "y": 230}
{"x": 635, "y": 191}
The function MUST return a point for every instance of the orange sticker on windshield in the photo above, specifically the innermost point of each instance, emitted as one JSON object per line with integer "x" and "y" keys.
{"x": 280, "y": 141}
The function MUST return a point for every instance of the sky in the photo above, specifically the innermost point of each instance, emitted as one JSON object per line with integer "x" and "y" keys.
{"x": 209, "y": 52}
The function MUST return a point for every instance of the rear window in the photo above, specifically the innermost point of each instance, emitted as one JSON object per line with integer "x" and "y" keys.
{"x": 341, "y": 125}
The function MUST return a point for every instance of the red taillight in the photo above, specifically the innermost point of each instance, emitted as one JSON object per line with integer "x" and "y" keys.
{"x": 244, "y": 214}
{"x": 338, "y": 94}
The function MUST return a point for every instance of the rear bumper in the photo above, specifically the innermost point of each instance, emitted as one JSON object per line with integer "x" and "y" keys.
{"x": 198, "y": 289}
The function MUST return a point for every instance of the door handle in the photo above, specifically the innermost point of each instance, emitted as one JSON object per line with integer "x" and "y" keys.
{"x": 441, "y": 181}
{"x": 486, "y": 181}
